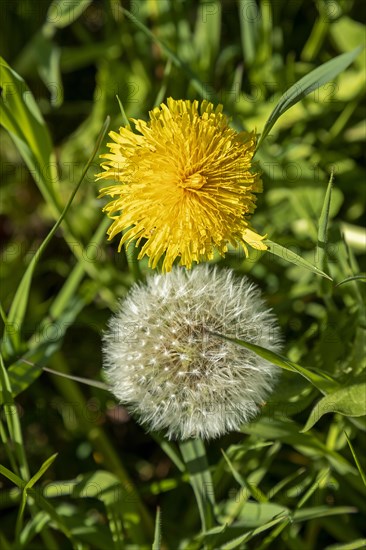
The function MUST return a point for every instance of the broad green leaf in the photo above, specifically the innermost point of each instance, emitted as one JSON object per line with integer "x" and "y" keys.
{"x": 290, "y": 256}
{"x": 20, "y": 301}
{"x": 322, "y": 382}
{"x": 349, "y": 401}
{"x": 316, "y": 78}
{"x": 194, "y": 455}
{"x": 157, "y": 536}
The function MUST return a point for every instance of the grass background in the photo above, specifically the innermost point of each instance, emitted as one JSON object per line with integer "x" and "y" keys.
{"x": 275, "y": 487}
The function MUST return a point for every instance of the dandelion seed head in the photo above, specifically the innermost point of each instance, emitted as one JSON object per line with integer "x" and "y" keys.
{"x": 184, "y": 184}
{"x": 194, "y": 383}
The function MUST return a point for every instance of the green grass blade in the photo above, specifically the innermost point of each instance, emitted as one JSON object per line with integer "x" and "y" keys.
{"x": 11, "y": 476}
{"x": 203, "y": 89}
{"x": 323, "y": 224}
{"x": 13, "y": 422}
{"x": 322, "y": 382}
{"x": 359, "y": 544}
{"x": 125, "y": 120}
{"x": 61, "y": 14}
{"x": 248, "y": 17}
{"x": 358, "y": 463}
{"x": 360, "y": 277}
{"x": 20, "y": 116}
{"x": 194, "y": 455}
{"x": 44, "y": 467}
{"x": 170, "y": 450}
{"x": 253, "y": 490}
{"x": 157, "y": 536}
{"x": 19, "y": 304}
{"x": 292, "y": 257}
{"x": 316, "y": 78}
{"x": 235, "y": 543}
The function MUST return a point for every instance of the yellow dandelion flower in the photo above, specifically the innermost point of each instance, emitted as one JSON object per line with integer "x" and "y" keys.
{"x": 185, "y": 184}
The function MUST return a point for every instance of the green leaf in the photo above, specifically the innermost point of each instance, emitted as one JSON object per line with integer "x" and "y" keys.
{"x": 316, "y": 78}
{"x": 253, "y": 489}
{"x": 61, "y": 14}
{"x": 46, "y": 464}
{"x": 202, "y": 88}
{"x": 26, "y": 488}
{"x": 11, "y": 476}
{"x": 292, "y": 257}
{"x": 350, "y": 401}
{"x": 33, "y": 528}
{"x": 20, "y": 301}
{"x": 120, "y": 501}
{"x": 20, "y": 116}
{"x": 157, "y": 536}
{"x": 323, "y": 224}
{"x": 249, "y": 18}
{"x": 307, "y": 514}
{"x": 13, "y": 421}
{"x": 360, "y": 277}
{"x": 358, "y": 463}
{"x": 322, "y": 382}
{"x": 194, "y": 455}
{"x": 359, "y": 544}
{"x": 250, "y": 534}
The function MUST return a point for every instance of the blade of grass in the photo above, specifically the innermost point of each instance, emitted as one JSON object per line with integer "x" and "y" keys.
{"x": 194, "y": 456}
{"x": 13, "y": 423}
{"x": 355, "y": 457}
{"x": 20, "y": 116}
{"x": 19, "y": 304}
{"x": 202, "y": 88}
{"x": 70, "y": 391}
{"x": 19, "y": 522}
{"x": 248, "y": 17}
{"x": 323, "y": 226}
{"x": 253, "y": 490}
{"x": 156, "y": 545}
{"x": 322, "y": 382}
{"x": 292, "y": 257}
{"x": 361, "y": 277}
{"x": 316, "y": 78}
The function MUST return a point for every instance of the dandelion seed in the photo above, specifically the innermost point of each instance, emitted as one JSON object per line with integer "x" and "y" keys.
{"x": 185, "y": 184}
{"x": 217, "y": 384}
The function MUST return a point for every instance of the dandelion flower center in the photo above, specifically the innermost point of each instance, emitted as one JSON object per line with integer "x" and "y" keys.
{"x": 184, "y": 184}
{"x": 164, "y": 362}
{"x": 194, "y": 181}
